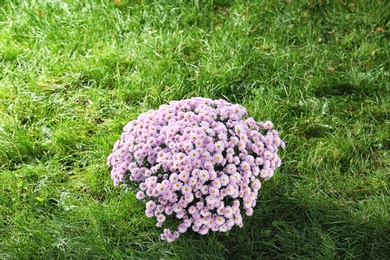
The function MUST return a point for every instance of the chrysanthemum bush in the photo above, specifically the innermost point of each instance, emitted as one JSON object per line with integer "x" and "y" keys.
{"x": 198, "y": 161}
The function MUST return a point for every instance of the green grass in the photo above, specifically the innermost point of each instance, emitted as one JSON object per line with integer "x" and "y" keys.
{"x": 73, "y": 73}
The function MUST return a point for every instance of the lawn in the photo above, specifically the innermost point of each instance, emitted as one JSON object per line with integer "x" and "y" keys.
{"x": 74, "y": 72}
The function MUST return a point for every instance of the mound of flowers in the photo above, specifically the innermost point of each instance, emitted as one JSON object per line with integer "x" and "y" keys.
{"x": 198, "y": 161}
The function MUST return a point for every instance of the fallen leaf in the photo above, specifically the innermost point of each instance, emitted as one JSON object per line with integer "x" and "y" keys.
{"x": 41, "y": 13}
{"x": 373, "y": 53}
{"x": 330, "y": 69}
{"x": 265, "y": 48}
{"x": 379, "y": 29}
{"x": 117, "y": 2}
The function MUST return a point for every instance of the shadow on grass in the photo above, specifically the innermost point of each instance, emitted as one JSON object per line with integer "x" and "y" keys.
{"x": 285, "y": 227}
{"x": 343, "y": 89}
{"x": 339, "y": 89}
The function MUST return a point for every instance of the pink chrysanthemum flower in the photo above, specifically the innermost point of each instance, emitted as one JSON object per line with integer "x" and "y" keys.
{"x": 199, "y": 160}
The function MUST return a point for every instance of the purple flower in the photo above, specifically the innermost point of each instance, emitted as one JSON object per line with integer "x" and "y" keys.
{"x": 268, "y": 125}
{"x": 219, "y": 146}
{"x": 185, "y": 189}
{"x": 204, "y": 175}
{"x": 140, "y": 195}
{"x": 197, "y": 160}
{"x": 231, "y": 168}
